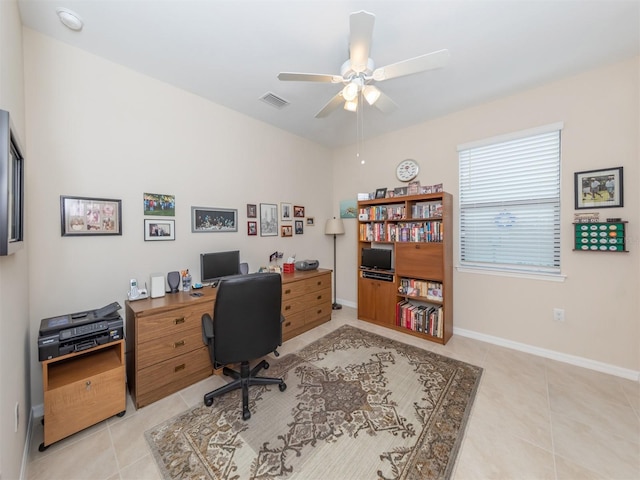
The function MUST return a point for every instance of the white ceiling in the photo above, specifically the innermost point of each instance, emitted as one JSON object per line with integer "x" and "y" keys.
{"x": 231, "y": 51}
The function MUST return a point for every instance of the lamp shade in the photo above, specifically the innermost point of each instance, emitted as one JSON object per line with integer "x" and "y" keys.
{"x": 334, "y": 226}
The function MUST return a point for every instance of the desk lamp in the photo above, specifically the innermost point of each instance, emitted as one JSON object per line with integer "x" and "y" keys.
{"x": 334, "y": 227}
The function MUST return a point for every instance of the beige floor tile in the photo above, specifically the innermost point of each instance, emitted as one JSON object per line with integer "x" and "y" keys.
{"x": 143, "y": 469}
{"x": 567, "y": 470}
{"x": 70, "y": 463}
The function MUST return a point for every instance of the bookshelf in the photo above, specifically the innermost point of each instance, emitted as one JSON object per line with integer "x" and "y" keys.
{"x": 416, "y": 296}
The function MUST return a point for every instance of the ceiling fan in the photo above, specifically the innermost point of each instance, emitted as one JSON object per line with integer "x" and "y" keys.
{"x": 358, "y": 73}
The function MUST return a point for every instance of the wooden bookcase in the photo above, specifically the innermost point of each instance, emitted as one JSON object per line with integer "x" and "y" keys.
{"x": 416, "y": 296}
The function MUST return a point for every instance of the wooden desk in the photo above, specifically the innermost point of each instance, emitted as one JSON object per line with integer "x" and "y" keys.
{"x": 165, "y": 352}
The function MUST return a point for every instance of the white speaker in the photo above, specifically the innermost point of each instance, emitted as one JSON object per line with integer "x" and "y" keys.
{"x": 157, "y": 285}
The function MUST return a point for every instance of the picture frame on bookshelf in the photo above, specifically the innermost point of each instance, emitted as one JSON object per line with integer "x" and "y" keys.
{"x": 413, "y": 188}
{"x": 400, "y": 191}
{"x": 381, "y": 192}
{"x": 599, "y": 188}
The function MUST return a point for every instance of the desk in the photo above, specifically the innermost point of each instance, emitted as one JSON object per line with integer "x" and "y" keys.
{"x": 165, "y": 352}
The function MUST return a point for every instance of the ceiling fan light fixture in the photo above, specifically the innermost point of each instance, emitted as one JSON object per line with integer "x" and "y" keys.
{"x": 351, "y": 105}
{"x": 70, "y": 19}
{"x": 350, "y": 91}
{"x": 371, "y": 94}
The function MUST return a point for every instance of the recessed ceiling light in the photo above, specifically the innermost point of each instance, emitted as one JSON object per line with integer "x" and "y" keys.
{"x": 70, "y": 19}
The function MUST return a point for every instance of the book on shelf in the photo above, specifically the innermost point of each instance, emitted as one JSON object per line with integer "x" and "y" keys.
{"x": 421, "y": 318}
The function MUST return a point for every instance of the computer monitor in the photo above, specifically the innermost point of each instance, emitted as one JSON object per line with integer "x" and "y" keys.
{"x": 216, "y": 265}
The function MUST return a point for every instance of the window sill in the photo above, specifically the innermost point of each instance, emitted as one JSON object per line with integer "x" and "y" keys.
{"x": 551, "y": 277}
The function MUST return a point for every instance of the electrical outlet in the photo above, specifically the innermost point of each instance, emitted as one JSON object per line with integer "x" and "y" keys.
{"x": 15, "y": 428}
{"x": 558, "y": 314}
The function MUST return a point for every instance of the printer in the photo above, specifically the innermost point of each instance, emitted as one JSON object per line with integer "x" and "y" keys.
{"x": 79, "y": 331}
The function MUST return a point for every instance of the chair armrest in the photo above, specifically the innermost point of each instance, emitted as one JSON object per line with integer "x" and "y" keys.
{"x": 207, "y": 329}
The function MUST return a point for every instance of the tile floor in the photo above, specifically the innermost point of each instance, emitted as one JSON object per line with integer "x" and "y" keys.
{"x": 533, "y": 418}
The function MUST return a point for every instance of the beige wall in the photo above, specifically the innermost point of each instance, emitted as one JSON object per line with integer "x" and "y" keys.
{"x": 14, "y": 304}
{"x": 600, "y": 294}
{"x": 100, "y": 130}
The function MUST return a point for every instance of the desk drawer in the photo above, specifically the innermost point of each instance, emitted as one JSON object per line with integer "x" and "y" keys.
{"x": 169, "y": 346}
{"x": 319, "y": 297}
{"x": 173, "y": 374}
{"x": 172, "y": 322}
{"x": 291, "y": 322}
{"x": 318, "y": 312}
{"x": 317, "y": 283}
{"x": 292, "y": 290}
{"x": 293, "y": 305}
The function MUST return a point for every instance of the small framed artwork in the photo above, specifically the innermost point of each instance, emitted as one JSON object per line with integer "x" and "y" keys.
{"x": 252, "y": 210}
{"x": 399, "y": 191}
{"x": 299, "y": 227}
{"x": 381, "y": 192}
{"x": 286, "y": 212}
{"x": 286, "y": 231}
{"x": 210, "y": 220}
{"x": 348, "y": 208}
{"x": 159, "y": 205}
{"x": 298, "y": 211}
{"x": 158, "y": 229}
{"x": 599, "y": 188}
{"x": 268, "y": 220}
{"x": 252, "y": 228}
{"x": 83, "y": 216}
{"x": 311, "y": 221}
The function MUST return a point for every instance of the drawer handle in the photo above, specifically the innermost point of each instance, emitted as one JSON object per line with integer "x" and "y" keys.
{"x": 178, "y": 344}
{"x": 319, "y": 282}
{"x": 179, "y": 367}
{"x": 288, "y": 324}
{"x": 288, "y": 307}
{"x": 319, "y": 312}
{"x": 178, "y": 321}
{"x": 318, "y": 297}
{"x": 87, "y": 385}
{"x": 288, "y": 290}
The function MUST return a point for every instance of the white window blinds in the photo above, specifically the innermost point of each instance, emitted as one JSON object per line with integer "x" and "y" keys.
{"x": 510, "y": 203}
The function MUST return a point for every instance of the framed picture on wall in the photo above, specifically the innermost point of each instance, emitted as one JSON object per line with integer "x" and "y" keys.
{"x": 209, "y": 220}
{"x": 252, "y": 210}
{"x": 599, "y": 188}
{"x": 83, "y": 216}
{"x": 268, "y": 220}
{"x": 159, "y": 229}
{"x": 252, "y": 228}
{"x": 286, "y": 212}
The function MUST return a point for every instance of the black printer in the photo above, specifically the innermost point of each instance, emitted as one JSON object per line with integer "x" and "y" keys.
{"x": 79, "y": 331}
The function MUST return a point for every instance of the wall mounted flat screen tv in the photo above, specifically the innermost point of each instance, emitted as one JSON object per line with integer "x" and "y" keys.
{"x": 376, "y": 258}
{"x": 216, "y": 265}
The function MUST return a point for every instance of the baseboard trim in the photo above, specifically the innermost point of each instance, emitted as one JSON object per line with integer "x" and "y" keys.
{"x": 551, "y": 354}
{"x": 27, "y": 444}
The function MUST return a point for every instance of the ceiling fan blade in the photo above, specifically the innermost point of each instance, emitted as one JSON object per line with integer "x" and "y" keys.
{"x": 385, "y": 104}
{"x": 361, "y": 26}
{"x": 309, "y": 77}
{"x": 428, "y": 61}
{"x": 332, "y": 105}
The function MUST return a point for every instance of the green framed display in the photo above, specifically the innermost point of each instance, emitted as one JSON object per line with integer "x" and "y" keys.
{"x": 600, "y": 236}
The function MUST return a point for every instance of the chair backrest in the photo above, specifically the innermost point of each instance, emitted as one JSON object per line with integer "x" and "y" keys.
{"x": 246, "y": 317}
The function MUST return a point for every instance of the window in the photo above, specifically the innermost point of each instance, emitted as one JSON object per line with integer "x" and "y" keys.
{"x": 510, "y": 202}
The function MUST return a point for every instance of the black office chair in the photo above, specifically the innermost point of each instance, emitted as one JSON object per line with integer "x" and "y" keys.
{"x": 246, "y": 325}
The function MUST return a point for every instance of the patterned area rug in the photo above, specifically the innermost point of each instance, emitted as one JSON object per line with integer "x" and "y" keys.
{"x": 357, "y": 406}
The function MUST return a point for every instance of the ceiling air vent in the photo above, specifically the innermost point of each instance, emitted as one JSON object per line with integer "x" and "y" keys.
{"x": 274, "y": 100}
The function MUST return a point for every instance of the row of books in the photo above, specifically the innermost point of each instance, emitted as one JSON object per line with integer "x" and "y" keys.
{"x": 421, "y": 288}
{"x": 382, "y": 212}
{"x": 402, "y": 232}
{"x": 420, "y": 318}
{"x": 426, "y": 210}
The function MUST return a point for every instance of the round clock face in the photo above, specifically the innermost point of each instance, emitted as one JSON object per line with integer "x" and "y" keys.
{"x": 407, "y": 170}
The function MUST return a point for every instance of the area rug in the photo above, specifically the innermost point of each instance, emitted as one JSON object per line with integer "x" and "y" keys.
{"x": 357, "y": 406}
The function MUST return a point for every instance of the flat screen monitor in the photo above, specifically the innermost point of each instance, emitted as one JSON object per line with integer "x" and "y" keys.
{"x": 216, "y": 265}
{"x": 376, "y": 258}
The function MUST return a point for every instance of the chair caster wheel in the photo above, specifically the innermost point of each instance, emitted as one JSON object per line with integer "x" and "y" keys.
{"x": 282, "y": 386}
{"x": 246, "y": 415}
{"x": 42, "y": 448}
{"x": 208, "y": 402}
{"x": 266, "y": 365}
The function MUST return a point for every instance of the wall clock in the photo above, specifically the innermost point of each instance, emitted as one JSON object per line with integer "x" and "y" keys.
{"x": 407, "y": 170}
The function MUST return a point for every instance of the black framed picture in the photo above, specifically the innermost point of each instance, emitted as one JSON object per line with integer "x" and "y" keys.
{"x": 204, "y": 219}
{"x": 599, "y": 188}
{"x": 83, "y": 216}
{"x": 381, "y": 192}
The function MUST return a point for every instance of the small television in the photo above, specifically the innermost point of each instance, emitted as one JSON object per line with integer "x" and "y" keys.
{"x": 376, "y": 258}
{"x": 216, "y": 265}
